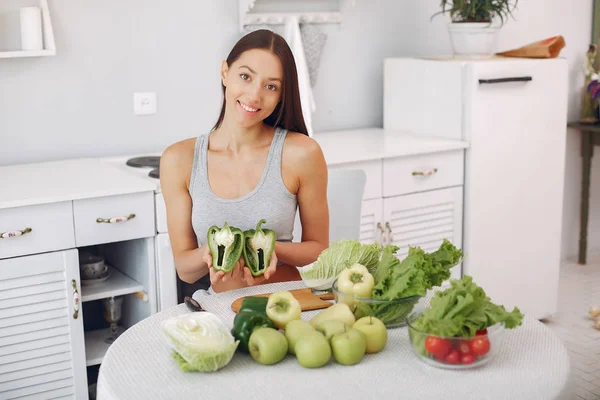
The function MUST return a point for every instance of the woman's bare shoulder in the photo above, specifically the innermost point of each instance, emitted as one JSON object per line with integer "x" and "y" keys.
{"x": 177, "y": 159}
{"x": 179, "y": 152}
{"x": 301, "y": 148}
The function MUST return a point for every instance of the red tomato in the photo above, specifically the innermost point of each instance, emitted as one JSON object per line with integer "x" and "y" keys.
{"x": 480, "y": 346}
{"x": 467, "y": 359}
{"x": 482, "y": 332}
{"x": 463, "y": 346}
{"x": 453, "y": 357}
{"x": 437, "y": 346}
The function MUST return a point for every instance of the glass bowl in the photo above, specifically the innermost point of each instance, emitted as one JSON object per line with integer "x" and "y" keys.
{"x": 392, "y": 313}
{"x": 455, "y": 352}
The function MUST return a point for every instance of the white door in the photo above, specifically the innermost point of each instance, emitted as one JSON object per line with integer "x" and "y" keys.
{"x": 425, "y": 220}
{"x": 371, "y": 227}
{"x": 166, "y": 279}
{"x": 42, "y": 351}
{"x": 514, "y": 181}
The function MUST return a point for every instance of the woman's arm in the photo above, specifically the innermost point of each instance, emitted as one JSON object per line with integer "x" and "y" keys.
{"x": 307, "y": 163}
{"x": 175, "y": 169}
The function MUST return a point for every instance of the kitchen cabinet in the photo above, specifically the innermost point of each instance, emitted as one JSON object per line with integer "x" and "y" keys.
{"x": 62, "y": 209}
{"x": 421, "y": 219}
{"x": 512, "y": 112}
{"x": 41, "y": 335}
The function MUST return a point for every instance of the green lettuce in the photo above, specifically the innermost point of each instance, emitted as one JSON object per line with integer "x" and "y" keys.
{"x": 462, "y": 310}
{"x": 339, "y": 256}
{"x": 416, "y": 273}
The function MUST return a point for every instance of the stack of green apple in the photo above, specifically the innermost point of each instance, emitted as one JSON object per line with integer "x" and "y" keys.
{"x": 333, "y": 332}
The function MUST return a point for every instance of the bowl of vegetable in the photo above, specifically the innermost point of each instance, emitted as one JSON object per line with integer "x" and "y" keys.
{"x": 455, "y": 352}
{"x": 462, "y": 328}
{"x": 392, "y": 312}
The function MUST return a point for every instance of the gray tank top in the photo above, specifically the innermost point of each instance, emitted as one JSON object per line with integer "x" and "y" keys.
{"x": 270, "y": 199}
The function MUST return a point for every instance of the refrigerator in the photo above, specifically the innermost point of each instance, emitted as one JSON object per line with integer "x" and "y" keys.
{"x": 513, "y": 113}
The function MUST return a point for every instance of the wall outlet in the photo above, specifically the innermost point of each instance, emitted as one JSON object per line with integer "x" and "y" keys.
{"x": 144, "y": 103}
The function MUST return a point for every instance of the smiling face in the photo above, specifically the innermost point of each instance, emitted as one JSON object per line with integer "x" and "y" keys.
{"x": 253, "y": 86}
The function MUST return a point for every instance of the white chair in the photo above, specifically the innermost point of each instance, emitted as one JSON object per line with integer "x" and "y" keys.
{"x": 345, "y": 189}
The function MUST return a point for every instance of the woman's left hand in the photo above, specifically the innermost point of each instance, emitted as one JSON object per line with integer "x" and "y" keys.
{"x": 255, "y": 280}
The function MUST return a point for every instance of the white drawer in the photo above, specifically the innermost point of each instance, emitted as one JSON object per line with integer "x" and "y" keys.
{"x": 373, "y": 186}
{"x": 114, "y": 218}
{"x": 51, "y": 229}
{"x": 404, "y": 175}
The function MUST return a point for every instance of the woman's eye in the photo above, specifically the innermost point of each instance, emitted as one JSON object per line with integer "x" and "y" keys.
{"x": 271, "y": 87}
{"x": 244, "y": 76}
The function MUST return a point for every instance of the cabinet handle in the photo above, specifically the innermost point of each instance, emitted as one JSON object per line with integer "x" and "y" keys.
{"x": 503, "y": 80}
{"x": 76, "y": 299}
{"x": 428, "y": 172}
{"x": 7, "y": 235}
{"x": 389, "y": 228}
{"x": 115, "y": 220}
{"x": 381, "y": 233}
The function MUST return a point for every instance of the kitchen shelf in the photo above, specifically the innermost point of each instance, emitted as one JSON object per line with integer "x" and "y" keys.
{"x": 95, "y": 346}
{"x": 48, "y": 36}
{"x": 20, "y": 54}
{"x": 276, "y": 13}
{"x": 118, "y": 284}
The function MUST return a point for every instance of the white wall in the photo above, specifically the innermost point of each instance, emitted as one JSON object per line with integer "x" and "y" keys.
{"x": 79, "y": 103}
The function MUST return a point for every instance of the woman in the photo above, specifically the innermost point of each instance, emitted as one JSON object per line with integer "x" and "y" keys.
{"x": 257, "y": 163}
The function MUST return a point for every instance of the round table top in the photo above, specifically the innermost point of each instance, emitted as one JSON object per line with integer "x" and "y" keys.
{"x": 532, "y": 364}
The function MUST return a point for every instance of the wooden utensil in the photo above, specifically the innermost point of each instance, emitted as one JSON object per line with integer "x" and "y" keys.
{"x": 308, "y": 300}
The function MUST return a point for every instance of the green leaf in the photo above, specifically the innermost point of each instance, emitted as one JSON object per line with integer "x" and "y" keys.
{"x": 463, "y": 309}
{"x": 477, "y": 10}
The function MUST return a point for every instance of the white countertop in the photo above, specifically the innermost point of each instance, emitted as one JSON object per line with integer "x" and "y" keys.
{"x": 345, "y": 146}
{"x": 48, "y": 182}
{"x": 54, "y": 181}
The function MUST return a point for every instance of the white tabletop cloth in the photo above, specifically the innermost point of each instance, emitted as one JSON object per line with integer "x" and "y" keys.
{"x": 532, "y": 364}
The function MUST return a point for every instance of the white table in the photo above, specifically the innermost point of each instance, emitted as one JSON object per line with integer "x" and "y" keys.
{"x": 533, "y": 364}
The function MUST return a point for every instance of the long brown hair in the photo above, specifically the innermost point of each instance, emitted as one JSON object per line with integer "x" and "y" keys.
{"x": 288, "y": 112}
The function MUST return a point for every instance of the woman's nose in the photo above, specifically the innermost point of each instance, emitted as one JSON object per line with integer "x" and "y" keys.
{"x": 254, "y": 91}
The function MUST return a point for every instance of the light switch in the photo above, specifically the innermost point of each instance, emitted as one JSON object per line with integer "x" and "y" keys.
{"x": 144, "y": 103}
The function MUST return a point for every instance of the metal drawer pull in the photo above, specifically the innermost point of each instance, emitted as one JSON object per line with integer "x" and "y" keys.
{"x": 502, "y": 80}
{"x": 76, "y": 299}
{"x": 389, "y": 228}
{"x": 428, "y": 172}
{"x": 381, "y": 232}
{"x": 115, "y": 220}
{"x": 7, "y": 235}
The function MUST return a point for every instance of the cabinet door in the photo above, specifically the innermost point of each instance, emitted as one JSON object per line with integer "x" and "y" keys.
{"x": 424, "y": 220}
{"x": 370, "y": 222}
{"x": 514, "y": 183}
{"x": 42, "y": 353}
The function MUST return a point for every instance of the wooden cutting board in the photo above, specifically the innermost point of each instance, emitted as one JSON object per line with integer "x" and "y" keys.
{"x": 308, "y": 300}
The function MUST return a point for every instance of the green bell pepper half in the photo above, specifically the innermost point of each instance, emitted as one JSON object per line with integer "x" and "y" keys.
{"x": 244, "y": 323}
{"x": 258, "y": 247}
{"x": 226, "y": 246}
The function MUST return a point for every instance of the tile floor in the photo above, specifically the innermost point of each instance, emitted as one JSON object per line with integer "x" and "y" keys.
{"x": 579, "y": 289}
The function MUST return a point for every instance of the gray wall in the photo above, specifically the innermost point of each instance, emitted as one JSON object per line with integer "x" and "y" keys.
{"x": 79, "y": 103}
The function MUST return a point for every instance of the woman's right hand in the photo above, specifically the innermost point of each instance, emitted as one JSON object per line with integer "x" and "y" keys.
{"x": 220, "y": 280}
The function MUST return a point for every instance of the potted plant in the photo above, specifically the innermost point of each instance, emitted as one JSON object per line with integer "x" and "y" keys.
{"x": 475, "y": 23}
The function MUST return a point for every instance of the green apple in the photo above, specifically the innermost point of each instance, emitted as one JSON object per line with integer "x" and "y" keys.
{"x": 339, "y": 312}
{"x": 313, "y": 350}
{"x": 283, "y": 307}
{"x": 267, "y": 345}
{"x": 349, "y": 347}
{"x": 294, "y": 330}
{"x": 331, "y": 327}
{"x": 374, "y": 330}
